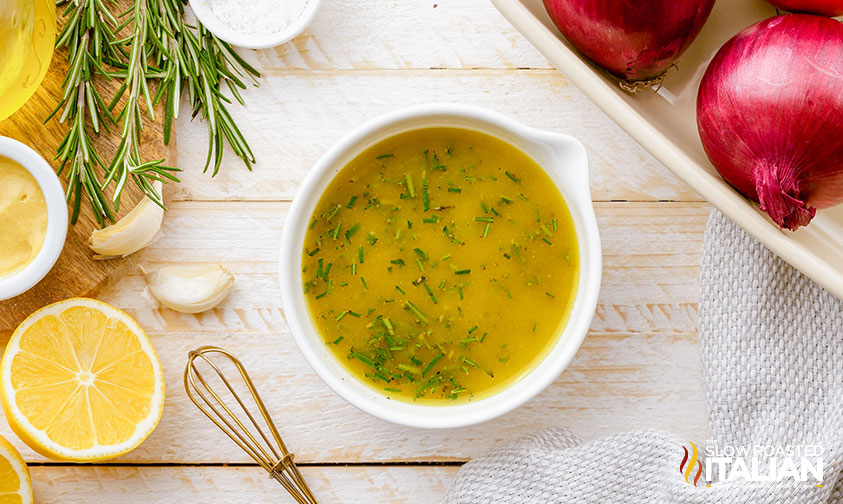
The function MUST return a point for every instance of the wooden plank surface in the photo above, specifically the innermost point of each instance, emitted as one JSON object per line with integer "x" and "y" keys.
{"x": 76, "y": 273}
{"x": 227, "y": 485}
{"x": 637, "y": 368}
{"x": 295, "y": 116}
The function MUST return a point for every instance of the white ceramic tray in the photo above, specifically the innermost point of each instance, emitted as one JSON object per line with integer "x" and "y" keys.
{"x": 665, "y": 124}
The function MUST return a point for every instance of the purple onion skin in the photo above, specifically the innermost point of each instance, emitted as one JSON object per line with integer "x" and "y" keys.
{"x": 822, "y": 7}
{"x": 770, "y": 115}
{"x": 635, "y": 40}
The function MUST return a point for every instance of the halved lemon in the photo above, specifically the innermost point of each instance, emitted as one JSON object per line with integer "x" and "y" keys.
{"x": 15, "y": 485}
{"x": 81, "y": 382}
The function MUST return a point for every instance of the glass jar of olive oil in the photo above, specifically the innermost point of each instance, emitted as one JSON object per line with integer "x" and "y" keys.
{"x": 27, "y": 37}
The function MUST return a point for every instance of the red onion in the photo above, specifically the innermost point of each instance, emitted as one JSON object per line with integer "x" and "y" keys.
{"x": 824, "y": 7}
{"x": 636, "y": 40}
{"x": 770, "y": 115}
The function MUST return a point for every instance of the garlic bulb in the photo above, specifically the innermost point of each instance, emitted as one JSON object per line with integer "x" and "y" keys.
{"x": 189, "y": 289}
{"x": 131, "y": 233}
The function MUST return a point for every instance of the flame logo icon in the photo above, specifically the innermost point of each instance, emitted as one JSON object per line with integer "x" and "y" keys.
{"x": 686, "y": 467}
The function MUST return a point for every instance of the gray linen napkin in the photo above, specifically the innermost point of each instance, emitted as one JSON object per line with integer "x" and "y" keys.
{"x": 772, "y": 358}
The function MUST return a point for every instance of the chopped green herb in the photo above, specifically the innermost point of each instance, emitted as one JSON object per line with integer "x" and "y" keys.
{"x": 350, "y": 231}
{"x": 430, "y": 293}
{"x": 426, "y": 349}
{"x": 432, "y": 363}
{"x": 408, "y": 179}
{"x": 425, "y": 195}
{"x": 388, "y": 324}
{"x": 503, "y": 288}
{"x": 415, "y": 309}
{"x": 409, "y": 369}
{"x": 362, "y": 358}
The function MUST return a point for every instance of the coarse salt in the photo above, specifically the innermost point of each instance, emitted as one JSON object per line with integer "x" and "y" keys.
{"x": 258, "y": 17}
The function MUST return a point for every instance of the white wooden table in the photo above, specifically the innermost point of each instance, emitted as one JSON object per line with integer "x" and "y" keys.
{"x": 636, "y": 369}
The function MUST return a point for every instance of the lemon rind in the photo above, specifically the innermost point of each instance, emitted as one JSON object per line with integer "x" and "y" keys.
{"x": 37, "y": 439}
{"x": 10, "y": 453}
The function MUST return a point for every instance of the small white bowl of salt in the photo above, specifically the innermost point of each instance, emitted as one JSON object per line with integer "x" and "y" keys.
{"x": 255, "y": 24}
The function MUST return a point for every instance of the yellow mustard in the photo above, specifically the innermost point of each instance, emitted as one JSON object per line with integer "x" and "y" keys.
{"x": 23, "y": 217}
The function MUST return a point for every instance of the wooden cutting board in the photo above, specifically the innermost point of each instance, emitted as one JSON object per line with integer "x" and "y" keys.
{"x": 76, "y": 273}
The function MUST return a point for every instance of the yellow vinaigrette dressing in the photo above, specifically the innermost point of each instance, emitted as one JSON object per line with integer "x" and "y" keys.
{"x": 23, "y": 217}
{"x": 440, "y": 265}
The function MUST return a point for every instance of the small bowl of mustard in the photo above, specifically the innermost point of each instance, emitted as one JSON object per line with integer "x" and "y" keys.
{"x": 33, "y": 218}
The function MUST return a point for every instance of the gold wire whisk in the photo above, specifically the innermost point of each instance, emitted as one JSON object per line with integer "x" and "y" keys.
{"x": 272, "y": 453}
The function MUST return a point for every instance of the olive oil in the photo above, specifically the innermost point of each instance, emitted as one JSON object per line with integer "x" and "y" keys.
{"x": 27, "y": 37}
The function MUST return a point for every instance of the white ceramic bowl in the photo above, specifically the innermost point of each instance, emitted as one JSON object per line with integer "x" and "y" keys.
{"x": 562, "y": 157}
{"x": 23, "y": 280}
{"x": 206, "y": 15}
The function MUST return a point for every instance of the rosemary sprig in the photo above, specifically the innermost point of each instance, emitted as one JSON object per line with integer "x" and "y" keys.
{"x": 89, "y": 36}
{"x": 193, "y": 57}
{"x": 157, "y": 49}
{"x": 127, "y": 160}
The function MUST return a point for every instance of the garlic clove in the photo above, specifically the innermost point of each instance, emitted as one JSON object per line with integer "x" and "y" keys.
{"x": 133, "y": 232}
{"x": 189, "y": 289}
